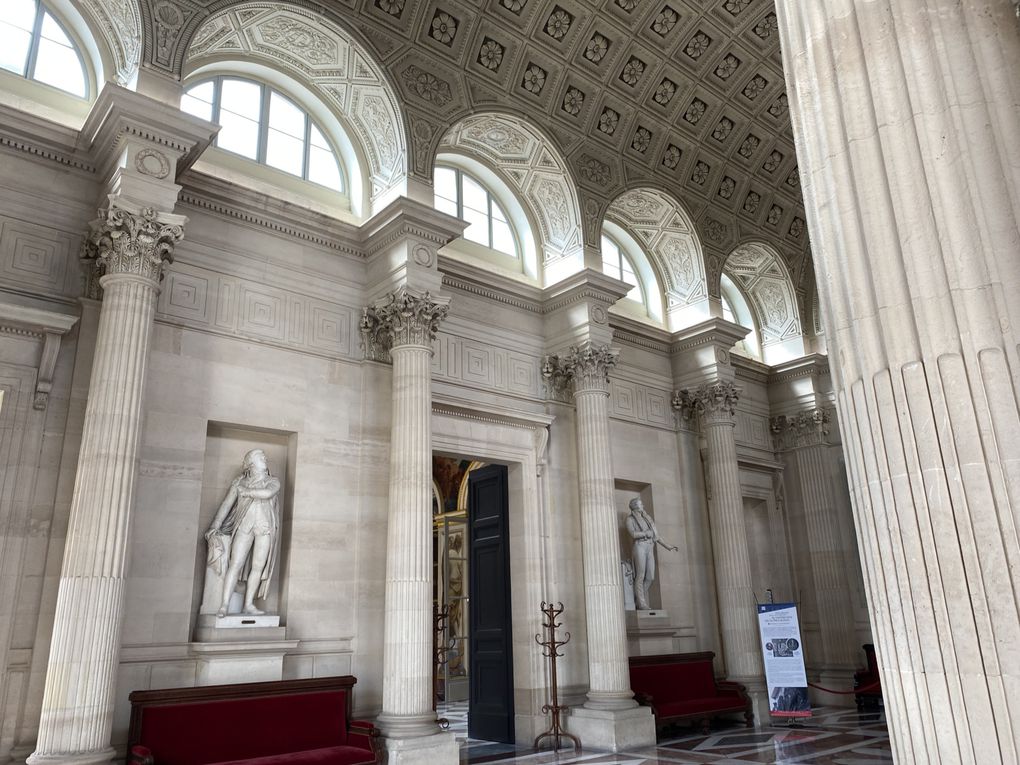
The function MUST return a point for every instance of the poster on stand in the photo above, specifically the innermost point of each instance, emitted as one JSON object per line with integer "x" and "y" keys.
{"x": 782, "y": 650}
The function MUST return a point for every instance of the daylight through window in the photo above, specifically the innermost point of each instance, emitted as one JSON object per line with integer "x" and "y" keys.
{"x": 35, "y": 45}
{"x": 261, "y": 124}
{"x": 457, "y": 193}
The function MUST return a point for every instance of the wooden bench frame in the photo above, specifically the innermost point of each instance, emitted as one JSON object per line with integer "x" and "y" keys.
{"x": 140, "y": 700}
{"x": 704, "y": 718}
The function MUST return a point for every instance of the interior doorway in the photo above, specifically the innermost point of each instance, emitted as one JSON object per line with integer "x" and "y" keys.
{"x": 472, "y": 598}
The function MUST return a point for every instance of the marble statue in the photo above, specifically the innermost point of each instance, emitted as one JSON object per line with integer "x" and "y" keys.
{"x": 642, "y": 530}
{"x": 245, "y": 534}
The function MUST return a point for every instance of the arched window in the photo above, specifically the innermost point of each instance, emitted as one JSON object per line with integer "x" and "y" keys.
{"x": 36, "y": 46}
{"x": 737, "y": 310}
{"x": 617, "y": 264}
{"x": 459, "y": 194}
{"x": 260, "y": 123}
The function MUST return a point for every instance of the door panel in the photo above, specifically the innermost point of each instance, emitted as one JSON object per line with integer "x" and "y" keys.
{"x": 490, "y": 666}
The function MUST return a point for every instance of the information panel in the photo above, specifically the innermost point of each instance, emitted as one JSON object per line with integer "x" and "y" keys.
{"x": 783, "y": 652}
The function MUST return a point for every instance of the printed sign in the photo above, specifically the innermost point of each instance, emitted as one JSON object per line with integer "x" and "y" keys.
{"x": 783, "y": 652}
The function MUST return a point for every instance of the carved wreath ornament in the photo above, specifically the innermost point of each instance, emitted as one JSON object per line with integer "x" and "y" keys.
{"x": 127, "y": 242}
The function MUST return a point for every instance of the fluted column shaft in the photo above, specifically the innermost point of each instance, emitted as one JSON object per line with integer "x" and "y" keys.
{"x": 905, "y": 114}
{"x": 729, "y": 547}
{"x": 832, "y": 585}
{"x": 78, "y": 701}
{"x": 584, "y": 370}
{"x": 407, "y": 324}
{"x": 716, "y": 406}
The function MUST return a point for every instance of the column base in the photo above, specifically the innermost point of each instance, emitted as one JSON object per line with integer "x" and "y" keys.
{"x": 837, "y": 680}
{"x": 612, "y": 730}
{"x": 102, "y": 757}
{"x": 407, "y": 727}
{"x": 437, "y": 749}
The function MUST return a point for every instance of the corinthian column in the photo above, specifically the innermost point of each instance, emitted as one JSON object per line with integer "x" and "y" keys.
{"x": 906, "y": 119}
{"x": 803, "y": 440}
{"x": 125, "y": 251}
{"x": 404, "y": 327}
{"x": 584, "y": 371}
{"x": 716, "y": 405}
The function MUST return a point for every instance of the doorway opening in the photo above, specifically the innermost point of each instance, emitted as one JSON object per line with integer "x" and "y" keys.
{"x": 473, "y": 664}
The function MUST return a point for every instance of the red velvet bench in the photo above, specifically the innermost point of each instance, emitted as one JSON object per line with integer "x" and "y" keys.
{"x": 682, "y": 687}
{"x": 292, "y": 722}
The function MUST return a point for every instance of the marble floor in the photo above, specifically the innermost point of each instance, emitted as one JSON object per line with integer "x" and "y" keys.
{"x": 831, "y": 737}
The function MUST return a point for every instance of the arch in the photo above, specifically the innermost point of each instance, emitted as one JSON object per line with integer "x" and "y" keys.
{"x": 667, "y": 234}
{"x": 117, "y": 24}
{"x": 531, "y": 165}
{"x": 314, "y": 51}
{"x": 764, "y": 280}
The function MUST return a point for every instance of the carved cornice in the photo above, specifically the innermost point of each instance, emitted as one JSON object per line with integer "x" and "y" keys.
{"x": 720, "y": 332}
{"x": 813, "y": 365}
{"x": 406, "y": 219}
{"x": 714, "y": 403}
{"x": 584, "y": 286}
{"x": 483, "y": 282}
{"x": 405, "y": 318}
{"x": 583, "y": 368}
{"x": 795, "y": 431}
{"x": 222, "y": 197}
{"x": 127, "y": 239}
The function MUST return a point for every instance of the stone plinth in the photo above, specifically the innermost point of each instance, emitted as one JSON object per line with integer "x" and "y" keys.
{"x": 649, "y": 633}
{"x": 249, "y": 659}
{"x": 613, "y": 730}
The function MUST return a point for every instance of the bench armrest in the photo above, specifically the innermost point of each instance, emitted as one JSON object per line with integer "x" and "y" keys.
{"x": 140, "y": 755}
{"x": 731, "y": 687}
{"x": 644, "y": 699}
{"x": 364, "y": 735}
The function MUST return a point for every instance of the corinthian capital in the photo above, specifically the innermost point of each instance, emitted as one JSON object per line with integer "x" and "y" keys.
{"x": 714, "y": 402}
{"x": 810, "y": 428}
{"x": 405, "y": 318}
{"x": 582, "y": 369}
{"x": 127, "y": 239}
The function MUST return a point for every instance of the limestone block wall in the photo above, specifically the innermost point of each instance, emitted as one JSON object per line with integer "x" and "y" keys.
{"x": 256, "y": 334}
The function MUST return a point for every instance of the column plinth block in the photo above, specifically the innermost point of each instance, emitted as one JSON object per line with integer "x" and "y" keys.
{"x": 612, "y": 730}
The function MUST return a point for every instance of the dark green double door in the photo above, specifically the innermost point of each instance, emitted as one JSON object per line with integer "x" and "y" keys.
{"x": 490, "y": 651}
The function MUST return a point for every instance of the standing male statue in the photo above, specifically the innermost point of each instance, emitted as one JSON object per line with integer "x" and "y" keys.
{"x": 244, "y": 536}
{"x": 646, "y": 536}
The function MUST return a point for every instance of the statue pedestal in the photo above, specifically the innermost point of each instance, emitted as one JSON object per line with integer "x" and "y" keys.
{"x": 649, "y": 633}
{"x": 240, "y": 648}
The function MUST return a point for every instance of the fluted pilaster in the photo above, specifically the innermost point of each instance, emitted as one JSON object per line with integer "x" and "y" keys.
{"x": 405, "y": 327}
{"x": 584, "y": 370}
{"x": 715, "y": 405}
{"x": 804, "y": 440}
{"x": 130, "y": 245}
{"x": 905, "y": 114}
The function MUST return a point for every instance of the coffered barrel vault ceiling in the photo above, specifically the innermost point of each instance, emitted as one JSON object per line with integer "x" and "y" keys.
{"x": 687, "y": 96}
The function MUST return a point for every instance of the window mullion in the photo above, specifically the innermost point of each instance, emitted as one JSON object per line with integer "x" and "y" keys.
{"x": 33, "y": 46}
{"x": 263, "y": 149}
{"x": 488, "y": 199}
{"x": 306, "y": 167}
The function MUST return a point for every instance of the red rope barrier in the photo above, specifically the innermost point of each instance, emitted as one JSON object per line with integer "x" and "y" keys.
{"x": 865, "y": 689}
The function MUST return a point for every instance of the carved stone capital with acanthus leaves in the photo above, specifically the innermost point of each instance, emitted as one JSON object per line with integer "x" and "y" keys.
{"x": 582, "y": 369}
{"x": 404, "y": 318}
{"x": 128, "y": 239}
{"x": 714, "y": 403}
{"x": 809, "y": 428}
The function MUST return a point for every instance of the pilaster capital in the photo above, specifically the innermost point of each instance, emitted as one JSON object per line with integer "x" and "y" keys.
{"x": 405, "y": 317}
{"x": 129, "y": 239}
{"x": 714, "y": 403}
{"x": 582, "y": 368}
{"x": 807, "y": 428}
